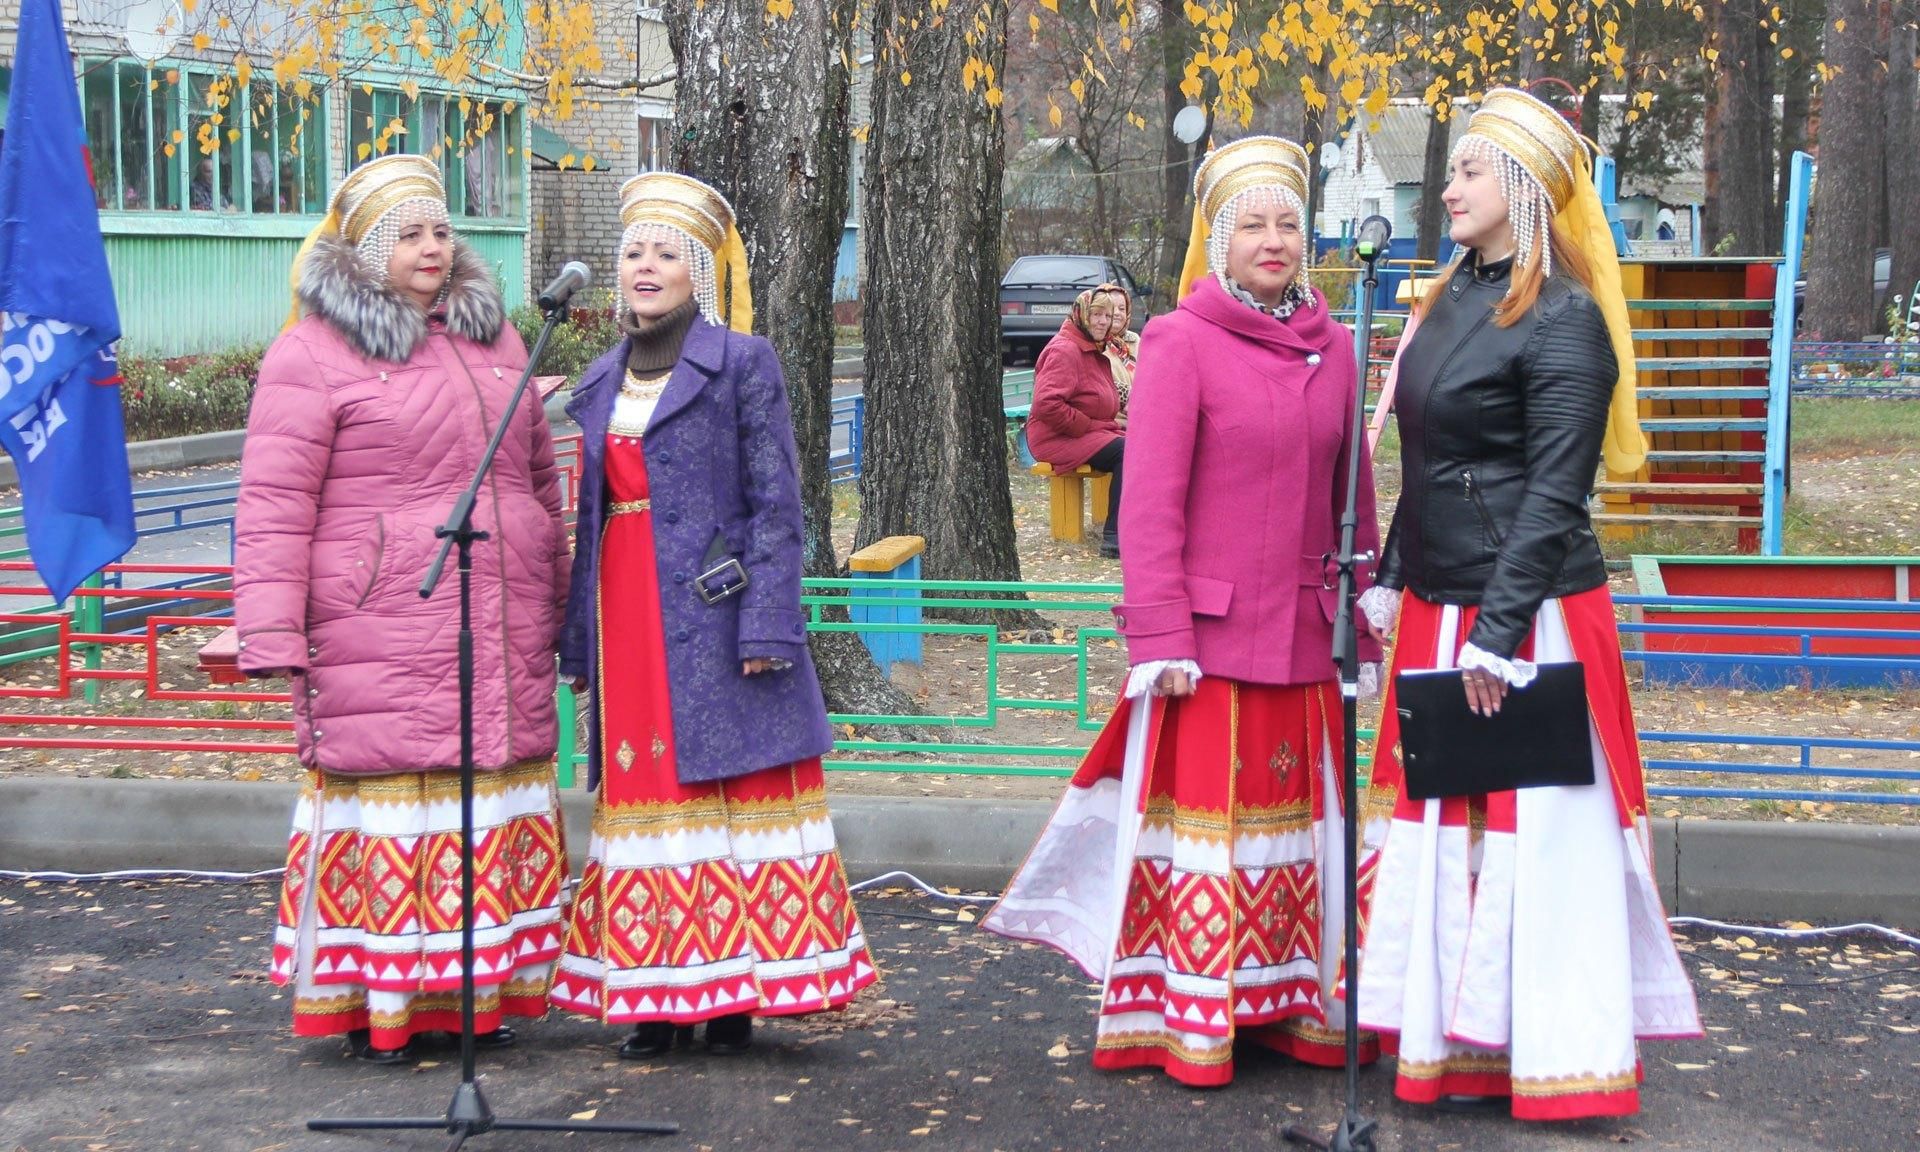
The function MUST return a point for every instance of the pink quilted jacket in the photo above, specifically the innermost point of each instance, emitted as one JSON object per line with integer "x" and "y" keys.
{"x": 367, "y": 423}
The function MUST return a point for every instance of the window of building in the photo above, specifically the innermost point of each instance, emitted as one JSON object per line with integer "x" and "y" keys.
{"x": 475, "y": 142}
{"x": 655, "y": 143}
{"x": 173, "y": 139}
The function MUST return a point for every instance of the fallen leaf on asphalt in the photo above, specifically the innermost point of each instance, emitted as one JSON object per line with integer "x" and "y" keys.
{"x": 219, "y": 1011}
{"x": 589, "y": 1114}
{"x": 1692, "y": 1067}
{"x": 920, "y": 1132}
{"x": 30, "y": 996}
{"x": 1059, "y": 1051}
{"x": 787, "y": 1099}
{"x": 1794, "y": 1008}
{"x": 61, "y": 968}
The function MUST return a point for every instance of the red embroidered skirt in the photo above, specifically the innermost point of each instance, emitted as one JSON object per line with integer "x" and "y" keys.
{"x": 698, "y": 900}
{"x": 1198, "y": 899}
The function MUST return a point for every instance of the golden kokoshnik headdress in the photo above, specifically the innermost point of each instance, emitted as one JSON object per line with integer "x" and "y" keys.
{"x": 700, "y": 216}
{"x": 1545, "y": 169}
{"x": 369, "y": 208}
{"x": 1250, "y": 169}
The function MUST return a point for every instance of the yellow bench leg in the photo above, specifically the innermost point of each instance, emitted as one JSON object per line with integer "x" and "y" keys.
{"x": 1064, "y": 497}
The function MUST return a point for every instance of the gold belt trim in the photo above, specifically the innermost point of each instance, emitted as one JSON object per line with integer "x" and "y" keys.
{"x": 621, "y": 506}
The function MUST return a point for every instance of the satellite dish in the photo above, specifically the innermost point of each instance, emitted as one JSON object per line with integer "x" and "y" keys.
{"x": 153, "y": 29}
{"x": 1329, "y": 156}
{"x": 1189, "y": 124}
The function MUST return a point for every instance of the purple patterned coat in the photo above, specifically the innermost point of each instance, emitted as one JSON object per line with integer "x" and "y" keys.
{"x": 720, "y": 456}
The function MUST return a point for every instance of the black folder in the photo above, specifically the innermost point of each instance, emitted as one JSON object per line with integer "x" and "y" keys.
{"x": 1538, "y": 739}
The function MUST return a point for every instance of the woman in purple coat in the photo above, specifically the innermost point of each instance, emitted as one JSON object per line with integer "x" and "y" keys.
{"x": 713, "y": 889}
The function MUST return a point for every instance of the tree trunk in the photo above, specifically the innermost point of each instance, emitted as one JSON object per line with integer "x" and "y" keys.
{"x": 1176, "y": 179}
{"x": 1840, "y": 267}
{"x": 1903, "y": 154}
{"x": 783, "y": 164}
{"x": 1740, "y": 187}
{"x": 936, "y": 444}
{"x": 1431, "y": 221}
{"x": 1794, "y": 77}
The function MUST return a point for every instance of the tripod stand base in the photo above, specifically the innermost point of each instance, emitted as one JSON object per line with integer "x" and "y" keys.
{"x": 1352, "y": 1135}
{"x": 469, "y": 1115}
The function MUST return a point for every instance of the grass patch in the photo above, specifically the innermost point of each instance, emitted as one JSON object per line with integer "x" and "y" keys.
{"x": 1855, "y": 426}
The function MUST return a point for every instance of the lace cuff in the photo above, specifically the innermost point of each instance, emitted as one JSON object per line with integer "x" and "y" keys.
{"x": 1517, "y": 673}
{"x": 1369, "y": 679}
{"x": 1381, "y": 607}
{"x": 1140, "y": 681}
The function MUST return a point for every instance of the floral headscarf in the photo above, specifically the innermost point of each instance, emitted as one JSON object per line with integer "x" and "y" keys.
{"x": 1123, "y": 347}
{"x": 1082, "y": 314}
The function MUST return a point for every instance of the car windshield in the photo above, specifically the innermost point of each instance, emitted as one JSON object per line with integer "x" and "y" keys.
{"x": 1063, "y": 270}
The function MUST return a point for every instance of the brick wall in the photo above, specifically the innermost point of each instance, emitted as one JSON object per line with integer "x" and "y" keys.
{"x": 576, "y": 216}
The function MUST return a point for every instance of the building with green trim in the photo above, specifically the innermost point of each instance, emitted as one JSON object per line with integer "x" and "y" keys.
{"x": 207, "y": 184}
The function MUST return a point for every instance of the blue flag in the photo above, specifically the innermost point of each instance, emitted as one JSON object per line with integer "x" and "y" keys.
{"x": 60, "y": 414}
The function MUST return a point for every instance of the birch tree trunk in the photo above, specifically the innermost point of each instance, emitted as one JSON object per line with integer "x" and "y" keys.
{"x": 936, "y": 444}
{"x": 762, "y": 107}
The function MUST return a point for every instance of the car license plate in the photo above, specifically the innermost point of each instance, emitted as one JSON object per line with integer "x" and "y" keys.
{"x": 1051, "y": 309}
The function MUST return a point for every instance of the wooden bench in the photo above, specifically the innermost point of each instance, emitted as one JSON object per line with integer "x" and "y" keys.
{"x": 1066, "y": 498}
{"x": 220, "y": 658}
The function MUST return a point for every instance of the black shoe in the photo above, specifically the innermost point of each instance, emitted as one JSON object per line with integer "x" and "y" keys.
{"x": 1109, "y": 549}
{"x": 652, "y": 1039}
{"x": 730, "y": 1035}
{"x": 360, "y": 1043}
{"x": 501, "y": 1037}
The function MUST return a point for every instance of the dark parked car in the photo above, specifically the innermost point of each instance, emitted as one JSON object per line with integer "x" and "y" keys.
{"x": 1882, "y": 272}
{"x": 1038, "y": 291}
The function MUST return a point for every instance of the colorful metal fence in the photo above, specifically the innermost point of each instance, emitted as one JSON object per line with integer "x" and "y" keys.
{"x": 1059, "y": 694}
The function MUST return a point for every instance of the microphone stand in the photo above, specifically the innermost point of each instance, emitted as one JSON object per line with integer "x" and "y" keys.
{"x": 469, "y": 1114}
{"x": 1354, "y": 1133}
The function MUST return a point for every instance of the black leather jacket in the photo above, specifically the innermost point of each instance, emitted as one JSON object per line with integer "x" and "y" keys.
{"x": 1500, "y": 432}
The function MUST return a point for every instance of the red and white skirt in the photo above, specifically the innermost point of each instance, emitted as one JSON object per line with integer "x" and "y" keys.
{"x": 698, "y": 900}
{"x": 1517, "y": 945}
{"x": 369, "y": 918}
{"x": 1184, "y": 870}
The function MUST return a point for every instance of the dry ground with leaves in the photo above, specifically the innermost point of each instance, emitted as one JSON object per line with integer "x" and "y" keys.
{"x": 140, "y": 1019}
{"x": 1857, "y": 490}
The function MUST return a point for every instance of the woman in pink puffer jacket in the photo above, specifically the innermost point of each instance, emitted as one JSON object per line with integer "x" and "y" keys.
{"x": 370, "y": 416}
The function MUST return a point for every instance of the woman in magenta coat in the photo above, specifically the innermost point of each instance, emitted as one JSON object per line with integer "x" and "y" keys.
{"x": 1077, "y": 416}
{"x": 1185, "y": 866}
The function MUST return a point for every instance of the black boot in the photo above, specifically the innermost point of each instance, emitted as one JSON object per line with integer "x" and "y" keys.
{"x": 652, "y": 1039}
{"x": 730, "y": 1035}
{"x": 360, "y": 1043}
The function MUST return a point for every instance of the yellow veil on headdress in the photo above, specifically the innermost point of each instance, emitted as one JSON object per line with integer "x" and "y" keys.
{"x": 701, "y": 214}
{"x": 1546, "y": 148}
{"x": 1247, "y": 163}
{"x": 362, "y": 200}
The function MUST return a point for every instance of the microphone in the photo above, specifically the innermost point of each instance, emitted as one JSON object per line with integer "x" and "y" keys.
{"x": 1372, "y": 238}
{"x": 573, "y": 276}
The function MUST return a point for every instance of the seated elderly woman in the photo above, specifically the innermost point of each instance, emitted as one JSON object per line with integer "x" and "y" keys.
{"x": 1076, "y": 417}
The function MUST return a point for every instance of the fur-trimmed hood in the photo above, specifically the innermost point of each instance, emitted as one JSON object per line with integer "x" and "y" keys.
{"x": 378, "y": 320}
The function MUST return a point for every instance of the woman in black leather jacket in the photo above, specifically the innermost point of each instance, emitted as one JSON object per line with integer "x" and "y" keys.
{"x": 1516, "y": 947}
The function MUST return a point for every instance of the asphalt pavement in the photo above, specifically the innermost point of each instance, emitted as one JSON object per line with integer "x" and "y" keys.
{"x": 139, "y": 1018}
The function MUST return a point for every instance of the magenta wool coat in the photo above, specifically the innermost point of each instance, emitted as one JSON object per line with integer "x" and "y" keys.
{"x": 1236, "y": 473}
{"x": 367, "y": 423}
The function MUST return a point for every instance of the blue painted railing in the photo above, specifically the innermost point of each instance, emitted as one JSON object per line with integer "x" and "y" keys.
{"x": 1780, "y": 356}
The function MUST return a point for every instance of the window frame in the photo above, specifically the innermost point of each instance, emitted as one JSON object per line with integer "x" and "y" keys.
{"x": 175, "y": 96}
{"x": 414, "y": 112}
